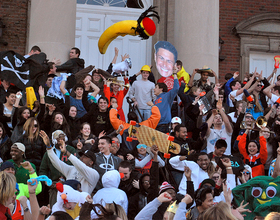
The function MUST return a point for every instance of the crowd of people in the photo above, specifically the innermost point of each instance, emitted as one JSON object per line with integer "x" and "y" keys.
{"x": 77, "y": 135}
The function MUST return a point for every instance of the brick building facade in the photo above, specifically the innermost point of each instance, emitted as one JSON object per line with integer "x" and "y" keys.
{"x": 233, "y": 12}
{"x": 14, "y": 16}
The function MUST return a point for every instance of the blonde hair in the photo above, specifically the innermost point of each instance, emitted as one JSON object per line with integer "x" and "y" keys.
{"x": 7, "y": 186}
{"x": 273, "y": 216}
{"x": 221, "y": 211}
{"x": 119, "y": 212}
{"x": 28, "y": 129}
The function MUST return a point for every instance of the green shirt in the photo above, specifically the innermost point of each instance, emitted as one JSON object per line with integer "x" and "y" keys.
{"x": 22, "y": 175}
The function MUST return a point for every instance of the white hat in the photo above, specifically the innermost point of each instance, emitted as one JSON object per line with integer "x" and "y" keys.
{"x": 247, "y": 167}
{"x": 176, "y": 120}
{"x": 20, "y": 146}
{"x": 56, "y": 134}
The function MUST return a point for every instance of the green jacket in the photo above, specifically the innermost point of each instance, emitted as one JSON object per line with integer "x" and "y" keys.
{"x": 49, "y": 170}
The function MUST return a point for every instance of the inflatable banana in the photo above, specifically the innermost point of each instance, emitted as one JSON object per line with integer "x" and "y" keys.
{"x": 144, "y": 27}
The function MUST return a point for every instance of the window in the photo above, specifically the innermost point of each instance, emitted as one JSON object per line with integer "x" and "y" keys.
{"x": 114, "y": 3}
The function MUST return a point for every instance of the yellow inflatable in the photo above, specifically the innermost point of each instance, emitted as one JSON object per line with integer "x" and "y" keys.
{"x": 30, "y": 97}
{"x": 144, "y": 27}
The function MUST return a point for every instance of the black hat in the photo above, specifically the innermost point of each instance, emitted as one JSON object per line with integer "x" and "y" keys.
{"x": 6, "y": 165}
{"x": 88, "y": 153}
{"x": 210, "y": 181}
{"x": 73, "y": 183}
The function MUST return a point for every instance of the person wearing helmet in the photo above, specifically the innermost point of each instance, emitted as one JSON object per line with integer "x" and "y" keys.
{"x": 144, "y": 68}
{"x": 142, "y": 92}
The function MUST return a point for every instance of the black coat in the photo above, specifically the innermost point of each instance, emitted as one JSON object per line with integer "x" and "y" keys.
{"x": 34, "y": 152}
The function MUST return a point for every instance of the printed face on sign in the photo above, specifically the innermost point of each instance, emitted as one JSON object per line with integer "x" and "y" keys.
{"x": 165, "y": 58}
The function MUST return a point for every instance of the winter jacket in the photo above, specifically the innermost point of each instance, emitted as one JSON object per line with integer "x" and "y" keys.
{"x": 49, "y": 170}
{"x": 86, "y": 175}
{"x": 102, "y": 165}
{"x": 5, "y": 148}
{"x": 257, "y": 161}
{"x": 127, "y": 185}
{"x": 34, "y": 151}
{"x": 110, "y": 193}
{"x": 99, "y": 121}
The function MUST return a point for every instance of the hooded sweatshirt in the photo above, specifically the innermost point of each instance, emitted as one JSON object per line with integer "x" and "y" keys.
{"x": 110, "y": 193}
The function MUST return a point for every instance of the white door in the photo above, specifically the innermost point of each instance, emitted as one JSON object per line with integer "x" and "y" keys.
{"x": 93, "y": 20}
{"x": 263, "y": 61}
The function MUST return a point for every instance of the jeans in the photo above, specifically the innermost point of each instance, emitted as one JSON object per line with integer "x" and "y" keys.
{"x": 146, "y": 113}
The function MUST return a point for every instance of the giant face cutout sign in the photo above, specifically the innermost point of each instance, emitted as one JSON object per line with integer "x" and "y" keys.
{"x": 165, "y": 58}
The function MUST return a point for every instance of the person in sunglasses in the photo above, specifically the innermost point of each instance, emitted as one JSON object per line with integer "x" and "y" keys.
{"x": 34, "y": 145}
{"x": 246, "y": 174}
{"x": 144, "y": 157}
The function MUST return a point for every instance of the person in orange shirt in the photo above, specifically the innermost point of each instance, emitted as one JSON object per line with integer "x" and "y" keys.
{"x": 255, "y": 154}
{"x": 113, "y": 90}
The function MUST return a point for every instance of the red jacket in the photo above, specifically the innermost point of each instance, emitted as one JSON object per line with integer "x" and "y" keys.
{"x": 257, "y": 161}
{"x": 119, "y": 96}
{"x": 3, "y": 211}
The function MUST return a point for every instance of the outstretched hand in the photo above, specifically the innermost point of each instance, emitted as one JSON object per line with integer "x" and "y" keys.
{"x": 45, "y": 138}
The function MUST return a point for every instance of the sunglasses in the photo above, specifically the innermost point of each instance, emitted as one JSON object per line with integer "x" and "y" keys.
{"x": 260, "y": 85}
{"x": 246, "y": 173}
{"x": 249, "y": 117}
{"x": 215, "y": 177}
{"x": 35, "y": 125}
{"x": 141, "y": 145}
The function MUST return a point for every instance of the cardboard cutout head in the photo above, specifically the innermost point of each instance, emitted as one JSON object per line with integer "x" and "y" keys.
{"x": 165, "y": 58}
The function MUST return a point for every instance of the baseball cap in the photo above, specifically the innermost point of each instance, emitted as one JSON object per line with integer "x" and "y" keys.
{"x": 88, "y": 153}
{"x": 20, "y": 146}
{"x": 176, "y": 120}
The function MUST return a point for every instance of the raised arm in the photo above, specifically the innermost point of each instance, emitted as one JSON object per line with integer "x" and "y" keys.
{"x": 62, "y": 85}
{"x": 267, "y": 90}
{"x": 190, "y": 84}
{"x": 248, "y": 84}
{"x": 216, "y": 78}
{"x": 242, "y": 144}
{"x": 224, "y": 117}
{"x": 271, "y": 75}
{"x": 210, "y": 122}
{"x": 95, "y": 88}
{"x": 116, "y": 55}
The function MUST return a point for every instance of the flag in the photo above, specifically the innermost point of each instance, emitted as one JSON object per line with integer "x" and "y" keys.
{"x": 14, "y": 69}
{"x": 23, "y": 72}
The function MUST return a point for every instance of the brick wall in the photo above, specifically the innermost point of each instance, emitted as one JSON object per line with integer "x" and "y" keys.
{"x": 231, "y": 13}
{"x": 13, "y": 14}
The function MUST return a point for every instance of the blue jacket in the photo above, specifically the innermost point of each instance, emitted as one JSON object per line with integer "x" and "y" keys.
{"x": 228, "y": 89}
{"x": 164, "y": 102}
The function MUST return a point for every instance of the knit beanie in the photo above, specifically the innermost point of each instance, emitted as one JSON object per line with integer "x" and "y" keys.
{"x": 165, "y": 186}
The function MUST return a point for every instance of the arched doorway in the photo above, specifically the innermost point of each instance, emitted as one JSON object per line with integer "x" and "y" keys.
{"x": 259, "y": 42}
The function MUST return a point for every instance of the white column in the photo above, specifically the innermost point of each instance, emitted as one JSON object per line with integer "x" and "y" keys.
{"x": 196, "y": 35}
{"x": 52, "y": 27}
